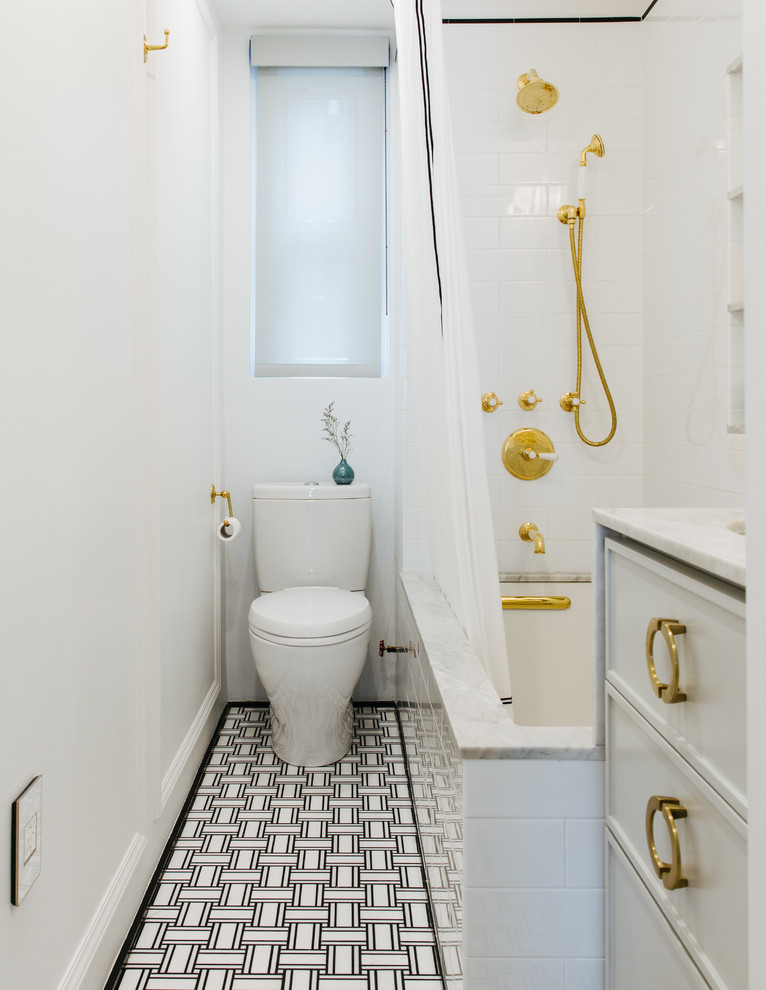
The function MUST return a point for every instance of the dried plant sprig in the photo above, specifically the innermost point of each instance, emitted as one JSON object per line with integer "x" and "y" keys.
{"x": 339, "y": 438}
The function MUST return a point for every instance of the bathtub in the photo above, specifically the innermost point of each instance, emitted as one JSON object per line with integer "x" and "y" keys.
{"x": 549, "y": 637}
{"x": 510, "y": 816}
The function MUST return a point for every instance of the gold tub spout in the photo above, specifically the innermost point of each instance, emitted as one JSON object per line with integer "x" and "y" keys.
{"x": 529, "y": 532}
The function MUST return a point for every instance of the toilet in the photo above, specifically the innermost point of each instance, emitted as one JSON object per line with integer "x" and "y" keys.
{"x": 310, "y": 627}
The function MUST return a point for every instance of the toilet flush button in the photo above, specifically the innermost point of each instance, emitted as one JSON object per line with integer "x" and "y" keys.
{"x": 310, "y": 484}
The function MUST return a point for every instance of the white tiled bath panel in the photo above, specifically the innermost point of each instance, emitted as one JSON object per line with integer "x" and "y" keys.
{"x": 286, "y": 877}
{"x": 437, "y": 791}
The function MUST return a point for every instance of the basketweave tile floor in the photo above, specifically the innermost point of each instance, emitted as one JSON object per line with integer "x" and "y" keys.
{"x": 290, "y": 878}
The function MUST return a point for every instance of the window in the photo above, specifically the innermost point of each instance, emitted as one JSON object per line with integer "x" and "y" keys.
{"x": 319, "y": 218}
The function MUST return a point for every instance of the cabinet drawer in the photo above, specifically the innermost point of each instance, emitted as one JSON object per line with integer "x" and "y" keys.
{"x": 642, "y": 950}
{"x": 708, "y": 727}
{"x": 710, "y": 914}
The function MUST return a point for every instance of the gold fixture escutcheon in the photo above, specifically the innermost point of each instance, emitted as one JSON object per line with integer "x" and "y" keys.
{"x": 671, "y": 808}
{"x": 490, "y": 402}
{"x": 155, "y": 48}
{"x": 535, "y": 601}
{"x": 521, "y": 452}
{"x": 670, "y": 628}
{"x": 528, "y": 400}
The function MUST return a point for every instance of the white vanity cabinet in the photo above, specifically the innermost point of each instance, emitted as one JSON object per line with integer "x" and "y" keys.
{"x": 676, "y": 805}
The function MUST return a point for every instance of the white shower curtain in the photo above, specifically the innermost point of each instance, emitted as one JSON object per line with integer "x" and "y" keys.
{"x": 441, "y": 342}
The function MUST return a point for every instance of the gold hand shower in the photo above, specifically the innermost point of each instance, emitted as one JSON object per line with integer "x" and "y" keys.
{"x": 571, "y": 215}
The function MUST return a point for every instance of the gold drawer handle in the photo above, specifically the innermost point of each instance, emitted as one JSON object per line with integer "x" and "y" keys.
{"x": 669, "y": 873}
{"x": 670, "y": 628}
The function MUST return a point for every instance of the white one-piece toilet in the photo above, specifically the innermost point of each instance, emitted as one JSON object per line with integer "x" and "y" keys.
{"x": 310, "y": 627}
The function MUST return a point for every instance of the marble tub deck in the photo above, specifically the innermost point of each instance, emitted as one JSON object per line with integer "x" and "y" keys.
{"x": 483, "y": 727}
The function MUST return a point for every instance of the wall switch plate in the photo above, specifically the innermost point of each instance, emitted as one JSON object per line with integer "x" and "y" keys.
{"x": 26, "y": 842}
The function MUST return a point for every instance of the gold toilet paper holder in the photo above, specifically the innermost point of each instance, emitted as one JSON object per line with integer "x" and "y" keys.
{"x": 222, "y": 494}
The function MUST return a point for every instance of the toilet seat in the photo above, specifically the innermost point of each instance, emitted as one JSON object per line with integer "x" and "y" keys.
{"x": 295, "y": 616}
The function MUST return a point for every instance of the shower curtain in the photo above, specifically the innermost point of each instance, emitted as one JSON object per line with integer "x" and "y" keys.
{"x": 441, "y": 344}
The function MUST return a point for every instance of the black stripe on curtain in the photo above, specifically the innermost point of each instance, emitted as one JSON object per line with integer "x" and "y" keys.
{"x": 429, "y": 134}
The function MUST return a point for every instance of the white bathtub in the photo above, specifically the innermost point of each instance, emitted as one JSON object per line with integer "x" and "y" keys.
{"x": 550, "y": 654}
{"x": 496, "y": 795}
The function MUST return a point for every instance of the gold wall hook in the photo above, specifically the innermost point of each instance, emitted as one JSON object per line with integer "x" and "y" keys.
{"x": 222, "y": 494}
{"x": 490, "y": 402}
{"x": 155, "y": 48}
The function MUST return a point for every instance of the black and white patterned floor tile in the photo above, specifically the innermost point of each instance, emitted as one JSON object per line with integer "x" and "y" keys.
{"x": 291, "y": 878}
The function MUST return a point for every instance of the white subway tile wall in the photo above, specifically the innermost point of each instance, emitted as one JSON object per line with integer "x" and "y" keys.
{"x": 515, "y": 171}
{"x": 655, "y": 268}
{"x": 690, "y": 459}
{"x": 436, "y": 773}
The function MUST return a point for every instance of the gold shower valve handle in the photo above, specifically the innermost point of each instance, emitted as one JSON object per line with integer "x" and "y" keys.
{"x": 570, "y": 400}
{"x": 528, "y": 400}
{"x": 529, "y": 455}
{"x": 490, "y": 402}
{"x": 670, "y": 808}
{"x": 670, "y": 628}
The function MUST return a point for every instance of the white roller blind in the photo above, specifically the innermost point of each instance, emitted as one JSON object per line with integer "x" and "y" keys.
{"x": 318, "y": 292}
{"x": 343, "y": 49}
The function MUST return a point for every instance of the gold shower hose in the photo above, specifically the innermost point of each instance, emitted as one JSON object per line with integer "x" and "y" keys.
{"x": 582, "y": 317}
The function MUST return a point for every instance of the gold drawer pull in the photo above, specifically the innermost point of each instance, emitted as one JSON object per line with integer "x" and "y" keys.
{"x": 669, "y": 873}
{"x": 670, "y": 628}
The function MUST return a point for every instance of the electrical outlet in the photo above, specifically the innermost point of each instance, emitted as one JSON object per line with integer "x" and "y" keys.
{"x": 27, "y": 828}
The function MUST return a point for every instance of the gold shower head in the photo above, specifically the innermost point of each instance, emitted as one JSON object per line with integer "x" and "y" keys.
{"x": 535, "y": 94}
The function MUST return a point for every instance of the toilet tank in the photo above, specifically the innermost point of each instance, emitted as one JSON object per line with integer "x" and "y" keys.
{"x": 312, "y": 535}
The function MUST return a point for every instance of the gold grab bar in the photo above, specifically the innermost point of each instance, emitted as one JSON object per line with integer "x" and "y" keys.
{"x": 535, "y": 601}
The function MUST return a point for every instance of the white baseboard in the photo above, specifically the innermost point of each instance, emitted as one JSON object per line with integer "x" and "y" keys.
{"x": 99, "y": 924}
{"x": 186, "y": 748}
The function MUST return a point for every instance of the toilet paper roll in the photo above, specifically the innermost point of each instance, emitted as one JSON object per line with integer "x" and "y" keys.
{"x": 228, "y": 530}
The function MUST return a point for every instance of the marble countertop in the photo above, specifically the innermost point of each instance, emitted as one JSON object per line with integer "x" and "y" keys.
{"x": 482, "y": 726}
{"x": 698, "y": 537}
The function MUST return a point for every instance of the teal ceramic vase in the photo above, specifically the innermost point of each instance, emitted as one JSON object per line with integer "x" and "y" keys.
{"x": 343, "y": 473}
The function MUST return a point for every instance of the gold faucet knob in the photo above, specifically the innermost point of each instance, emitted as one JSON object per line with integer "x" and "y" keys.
{"x": 490, "y": 402}
{"x": 528, "y": 400}
{"x": 569, "y": 400}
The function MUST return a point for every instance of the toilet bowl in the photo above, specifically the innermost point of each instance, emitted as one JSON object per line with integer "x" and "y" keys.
{"x": 310, "y": 628}
{"x": 309, "y": 646}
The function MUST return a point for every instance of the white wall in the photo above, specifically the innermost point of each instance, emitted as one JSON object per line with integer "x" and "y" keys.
{"x": 273, "y": 427}
{"x": 690, "y": 161}
{"x": 516, "y": 170}
{"x": 80, "y": 660}
{"x": 754, "y": 26}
